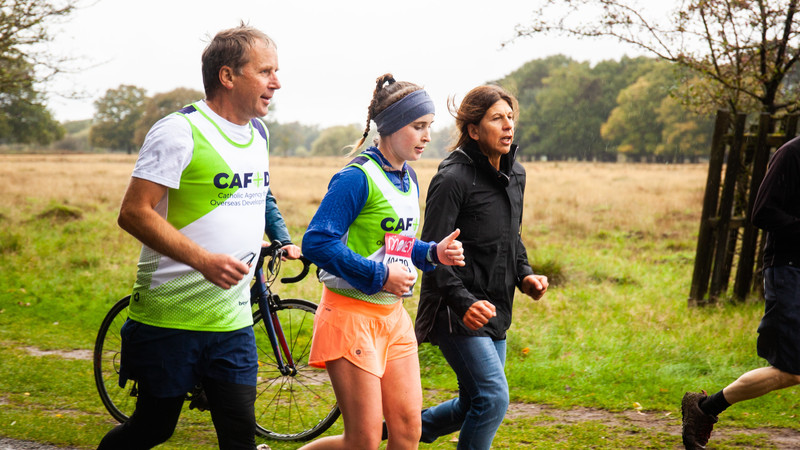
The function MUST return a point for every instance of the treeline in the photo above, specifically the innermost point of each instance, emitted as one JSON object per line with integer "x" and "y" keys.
{"x": 125, "y": 114}
{"x": 625, "y": 108}
{"x": 568, "y": 110}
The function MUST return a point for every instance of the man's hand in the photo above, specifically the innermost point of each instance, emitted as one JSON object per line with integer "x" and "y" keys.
{"x": 291, "y": 251}
{"x": 450, "y": 251}
{"x": 400, "y": 279}
{"x": 479, "y": 314}
{"x": 223, "y": 270}
{"x": 535, "y": 286}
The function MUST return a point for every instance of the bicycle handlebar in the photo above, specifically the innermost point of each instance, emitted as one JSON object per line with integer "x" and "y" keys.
{"x": 274, "y": 251}
{"x": 303, "y": 273}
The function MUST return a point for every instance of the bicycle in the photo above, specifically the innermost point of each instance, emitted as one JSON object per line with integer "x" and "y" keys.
{"x": 295, "y": 402}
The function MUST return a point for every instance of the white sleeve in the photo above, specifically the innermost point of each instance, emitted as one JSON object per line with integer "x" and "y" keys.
{"x": 166, "y": 151}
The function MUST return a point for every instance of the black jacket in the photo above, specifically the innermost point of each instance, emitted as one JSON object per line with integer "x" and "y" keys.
{"x": 468, "y": 193}
{"x": 777, "y": 207}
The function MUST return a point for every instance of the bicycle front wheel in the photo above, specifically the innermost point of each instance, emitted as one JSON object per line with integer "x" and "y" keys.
{"x": 120, "y": 402}
{"x": 295, "y": 407}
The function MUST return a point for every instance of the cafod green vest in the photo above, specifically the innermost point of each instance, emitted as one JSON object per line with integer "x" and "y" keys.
{"x": 219, "y": 205}
{"x": 387, "y": 210}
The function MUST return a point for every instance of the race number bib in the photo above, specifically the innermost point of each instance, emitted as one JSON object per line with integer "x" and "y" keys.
{"x": 398, "y": 249}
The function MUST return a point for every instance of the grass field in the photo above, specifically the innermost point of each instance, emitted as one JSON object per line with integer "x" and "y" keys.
{"x": 613, "y": 335}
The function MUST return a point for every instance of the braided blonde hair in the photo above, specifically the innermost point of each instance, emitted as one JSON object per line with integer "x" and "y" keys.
{"x": 387, "y": 91}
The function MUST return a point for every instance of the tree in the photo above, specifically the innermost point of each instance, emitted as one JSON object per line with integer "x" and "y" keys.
{"x": 23, "y": 33}
{"x": 158, "y": 106}
{"x": 684, "y": 135}
{"x": 334, "y": 140}
{"x": 526, "y": 83}
{"x": 24, "y": 63}
{"x": 740, "y": 51}
{"x": 633, "y": 125}
{"x": 118, "y": 113}
{"x": 564, "y": 103}
{"x": 23, "y": 115}
{"x": 441, "y": 141}
{"x": 650, "y": 123}
{"x": 566, "y": 115}
{"x": 291, "y": 139}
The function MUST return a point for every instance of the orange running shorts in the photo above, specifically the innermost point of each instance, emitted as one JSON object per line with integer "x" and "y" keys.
{"x": 366, "y": 334}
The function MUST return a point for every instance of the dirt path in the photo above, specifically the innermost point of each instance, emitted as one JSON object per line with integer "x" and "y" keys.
{"x": 14, "y": 444}
{"x": 781, "y": 438}
{"x": 663, "y": 422}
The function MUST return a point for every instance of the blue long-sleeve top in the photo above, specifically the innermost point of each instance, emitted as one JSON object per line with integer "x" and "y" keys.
{"x": 274, "y": 225}
{"x": 346, "y": 196}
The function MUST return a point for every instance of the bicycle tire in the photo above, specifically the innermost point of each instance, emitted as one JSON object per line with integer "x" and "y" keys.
{"x": 296, "y": 407}
{"x": 120, "y": 402}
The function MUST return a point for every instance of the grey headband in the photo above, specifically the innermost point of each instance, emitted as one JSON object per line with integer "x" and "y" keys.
{"x": 403, "y": 112}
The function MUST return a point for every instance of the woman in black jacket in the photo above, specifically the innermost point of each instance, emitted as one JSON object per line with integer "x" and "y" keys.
{"x": 466, "y": 310}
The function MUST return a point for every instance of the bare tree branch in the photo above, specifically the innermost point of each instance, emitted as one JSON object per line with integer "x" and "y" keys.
{"x": 23, "y": 34}
{"x": 748, "y": 46}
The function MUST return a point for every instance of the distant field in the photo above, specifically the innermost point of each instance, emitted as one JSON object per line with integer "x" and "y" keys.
{"x": 614, "y": 334}
{"x": 569, "y": 197}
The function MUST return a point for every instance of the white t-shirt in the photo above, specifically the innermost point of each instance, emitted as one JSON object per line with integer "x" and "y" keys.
{"x": 217, "y": 173}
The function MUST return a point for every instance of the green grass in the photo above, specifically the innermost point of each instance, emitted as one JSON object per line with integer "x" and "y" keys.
{"x": 613, "y": 333}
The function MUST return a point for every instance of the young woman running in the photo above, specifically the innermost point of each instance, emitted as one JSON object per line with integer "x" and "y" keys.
{"x": 362, "y": 237}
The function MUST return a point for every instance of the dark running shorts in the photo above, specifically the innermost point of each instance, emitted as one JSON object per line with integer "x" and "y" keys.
{"x": 779, "y": 331}
{"x": 168, "y": 362}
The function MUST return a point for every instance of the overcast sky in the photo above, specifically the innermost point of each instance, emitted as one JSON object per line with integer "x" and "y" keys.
{"x": 330, "y": 52}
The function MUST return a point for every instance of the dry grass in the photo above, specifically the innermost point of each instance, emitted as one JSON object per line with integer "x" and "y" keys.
{"x": 587, "y": 197}
{"x": 85, "y": 181}
{"x": 561, "y": 198}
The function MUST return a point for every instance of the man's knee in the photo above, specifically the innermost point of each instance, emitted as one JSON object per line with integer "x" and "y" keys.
{"x": 233, "y": 413}
{"x": 790, "y": 379}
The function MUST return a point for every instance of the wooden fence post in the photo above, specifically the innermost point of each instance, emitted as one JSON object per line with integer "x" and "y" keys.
{"x": 722, "y": 266}
{"x": 744, "y": 272}
{"x": 705, "y": 244}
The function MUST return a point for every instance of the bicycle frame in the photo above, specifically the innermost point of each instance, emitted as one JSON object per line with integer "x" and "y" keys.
{"x": 264, "y": 297}
{"x": 261, "y": 295}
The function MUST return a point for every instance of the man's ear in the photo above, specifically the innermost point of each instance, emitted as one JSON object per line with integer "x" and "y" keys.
{"x": 226, "y": 77}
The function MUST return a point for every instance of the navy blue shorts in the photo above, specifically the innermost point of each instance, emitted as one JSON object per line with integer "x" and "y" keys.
{"x": 779, "y": 331}
{"x": 168, "y": 362}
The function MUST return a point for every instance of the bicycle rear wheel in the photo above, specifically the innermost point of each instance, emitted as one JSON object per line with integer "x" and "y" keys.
{"x": 120, "y": 402}
{"x": 296, "y": 407}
